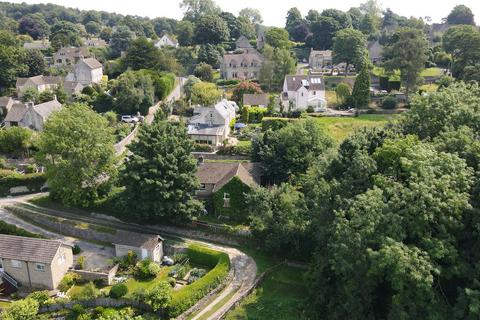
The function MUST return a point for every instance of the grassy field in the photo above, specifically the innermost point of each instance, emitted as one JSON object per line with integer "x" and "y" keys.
{"x": 429, "y": 87}
{"x": 431, "y": 72}
{"x": 340, "y": 128}
{"x": 279, "y": 297}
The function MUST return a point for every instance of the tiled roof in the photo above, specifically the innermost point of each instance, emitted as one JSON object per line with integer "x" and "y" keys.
{"x": 75, "y": 52}
{"x": 46, "y": 108}
{"x": 243, "y": 43}
{"x": 28, "y": 249}
{"x": 5, "y": 101}
{"x": 16, "y": 113}
{"x": 314, "y": 82}
{"x": 255, "y": 99}
{"x": 205, "y": 129}
{"x": 92, "y": 63}
{"x": 323, "y": 53}
{"x": 139, "y": 240}
{"x": 220, "y": 173}
{"x": 39, "y": 80}
{"x": 246, "y": 57}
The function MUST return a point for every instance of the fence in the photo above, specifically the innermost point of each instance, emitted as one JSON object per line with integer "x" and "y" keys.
{"x": 107, "y": 277}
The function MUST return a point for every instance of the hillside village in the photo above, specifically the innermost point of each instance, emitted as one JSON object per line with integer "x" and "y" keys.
{"x": 215, "y": 167}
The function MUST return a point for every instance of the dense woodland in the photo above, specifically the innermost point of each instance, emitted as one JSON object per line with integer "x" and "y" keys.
{"x": 387, "y": 220}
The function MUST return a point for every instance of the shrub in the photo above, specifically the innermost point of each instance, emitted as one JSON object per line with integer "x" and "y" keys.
{"x": 9, "y": 179}
{"x": 145, "y": 270}
{"x": 172, "y": 282}
{"x": 232, "y": 82}
{"x": 179, "y": 257}
{"x": 275, "y": 123}
{"x": 310, "y": 109}
{"x": 389, "y": 102}
{"x": 159, "y": 296}
{"x": 200, "y": 147}
{"x": 68, "y": 281}
{"x": 76, "y": 249}
{"x": 188, "y": 296}
{"x": 40, "y": 296}
{"x": 78, "y": 309}
{"x": 119, "y": 290}
{"x": 88, "y": 292}
{"x": 80, "y": 263}
{"x": 13, "y": 230}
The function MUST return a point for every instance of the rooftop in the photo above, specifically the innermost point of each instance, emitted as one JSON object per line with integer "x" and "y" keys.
{"x": 28, "y": 249}
{"x": 139, "y": 240}
{"x": 220, "y": 173}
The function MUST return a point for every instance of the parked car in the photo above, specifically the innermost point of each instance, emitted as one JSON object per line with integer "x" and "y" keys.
{"x": 129, "y": 119}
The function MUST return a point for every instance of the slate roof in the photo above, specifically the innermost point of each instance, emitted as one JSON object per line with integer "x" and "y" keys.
{"x": 220, "y": 173}
{"x": 139, "y": 240}
{"x": 16, "y": 113}
{"x": 243, "y": 43}
{"x": 70, "y": 86}
{"x": 46, "y": 108}
{"x": 313, "y": 82}
{"x": 5, "y": 101}
{"x": 39, "y": 80}
{"x": 171, "y": 39}
{"x": 28, "y": 249}
{"x": 246, "y": 58}
{"x": 205, "y": 129}
{"x": 75, "y": 52}
{"x": 92, "y": 63}
{"x": 323, "y": 53}
{"x": 255, "y": 99}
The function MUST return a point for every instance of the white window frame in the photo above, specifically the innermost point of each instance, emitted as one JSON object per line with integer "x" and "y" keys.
{"x": 226, "y": 196}
{"x": 202, "y": 186}
{"x": 62, "y": 259}
{"x": 16, "y": 264}
{"x": 40, "y": 267}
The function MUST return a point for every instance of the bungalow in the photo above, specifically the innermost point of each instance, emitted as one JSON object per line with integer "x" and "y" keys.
{"x": 166, "y": 41}
{"x": 68, "y": 56}
{"x": 39, "y": 83}
{"x": 32, "y": 262}
{"x": 211, "y": 125}
{"x": 226, "y": 184}
{"x": 255, "y": 100}
{"x": 31, "y": 116}
{"x": 144, "y": 245}
{"x": 301, "y": 92}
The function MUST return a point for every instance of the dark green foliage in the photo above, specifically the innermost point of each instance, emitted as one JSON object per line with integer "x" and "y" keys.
{"x": 64, "y": 34}
{"x": 141, "y": 54}
{"x": 323, "y": 30}
{"x": 120, "y": 40}
{"x": 9, "y": 179}
{"x": 291, "y": 150}
{"x": 461, "y": 15}
{"x": 389, "y": 102}
{"x": 76, "y": 249}
{"x": 209, "y": 54}
{"x": 161, "y": 187}
{"x": 275, "y": 123}
{"x": 13, "y": 230}
{"x": 118, "y": 290}
{"x": 361, "y": 89}
{"x": 236, "y": 208}
{"x": 34, "y": 25}
{"x": 204, "y": 72}
{"x": 463, "y": 43}
{"x": 132, "y": 92}
{"x": 211, "y": 29}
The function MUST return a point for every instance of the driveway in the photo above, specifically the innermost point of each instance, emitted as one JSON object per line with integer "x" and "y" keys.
{"x": 96, "y": 256}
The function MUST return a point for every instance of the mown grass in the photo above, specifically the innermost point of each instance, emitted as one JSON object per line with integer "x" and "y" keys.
{"x": 431, "y": 72}
{"x": 340, "y": 128}
{"x": 280, "y": 296}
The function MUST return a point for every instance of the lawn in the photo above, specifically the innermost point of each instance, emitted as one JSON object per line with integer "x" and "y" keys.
{"x": 331, "y": 97}
{"x": 431, "y": 72}
{"x": 135, "y": 284}
{"x": 280, "y": 296}
{"x": 429, "y": 87}
{"x": 340, "y": 128}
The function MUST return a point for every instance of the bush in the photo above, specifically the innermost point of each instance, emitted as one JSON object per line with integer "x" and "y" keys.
{"x": 13, "y": 230}
{"x": 119, "y": 290}
{"x": 78, "y": 309}
{"x": 9, "y": 179}
{"x": 88, "y": 292}
{"x": 389, "y": 102}
{"x": 172, "y": 282}
{"x": 275, "y": 123}
{"x": 188, "y": 296}
{"x": 231, "y": 82}
{"x": 310, "y": 109}
{"x": 179, "y": 257}
{"x": 146, "y": 269}
{"x": 200, "y": 147}
{"x": 40, "y": 296}
{"x": 80, "y": 263}
{"x": 68, "y": 281}
{"x": 76, "y": 249}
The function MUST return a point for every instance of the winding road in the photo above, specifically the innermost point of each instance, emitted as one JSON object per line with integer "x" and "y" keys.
{"x": 244, "y": 267}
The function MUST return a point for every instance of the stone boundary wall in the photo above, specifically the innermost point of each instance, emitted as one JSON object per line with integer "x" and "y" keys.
{"x": 92, "y": 275}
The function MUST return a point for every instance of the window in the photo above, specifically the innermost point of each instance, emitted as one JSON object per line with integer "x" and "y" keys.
{"x": 226, "y": 195}
{"x": 16, "y": 264}
{"x": 39, "y": 267}
{"x": 61, "y": 259}
{"x": 202, "y": 186}
{"x": 226, "y": 200}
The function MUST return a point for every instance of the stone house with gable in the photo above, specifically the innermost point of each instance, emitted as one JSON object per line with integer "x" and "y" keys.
{"x": 145, "y": 246}
{"x": 31, "y": 116}
{"x": 166, "y": 41}
{"x": 69, "y": 56}
{"x": 40, "y": 83}
{"x": 225, "y": 184}
{"x": 32, "y": 262}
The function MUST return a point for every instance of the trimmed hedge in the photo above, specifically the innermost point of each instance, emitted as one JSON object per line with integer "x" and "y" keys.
{"x": 232, "y": 82}
{"x": 191, "y": 294}
{"x": 9, "y": 179}
{"x": 13, "y": 230}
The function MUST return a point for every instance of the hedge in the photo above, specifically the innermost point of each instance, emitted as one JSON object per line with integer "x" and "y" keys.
{"x": 275, "y": 123}
{"x": 191, "y": 294}
{"x": 232, "y": 82}
{"x": 13, "y": 230}
{"x": 9, "y": 179}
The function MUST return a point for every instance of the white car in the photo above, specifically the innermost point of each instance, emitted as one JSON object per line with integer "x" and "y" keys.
{"x": 129, "y": 119}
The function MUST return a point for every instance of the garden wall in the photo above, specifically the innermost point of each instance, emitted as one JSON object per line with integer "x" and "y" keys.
{"x": 107, "y": 277}
{"x": 12, "y": 183}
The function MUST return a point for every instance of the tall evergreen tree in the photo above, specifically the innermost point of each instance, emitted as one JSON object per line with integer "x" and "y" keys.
{"x": 361, "y": 89}
{"x": 159, "y": 175}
